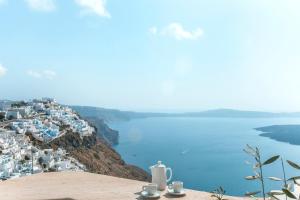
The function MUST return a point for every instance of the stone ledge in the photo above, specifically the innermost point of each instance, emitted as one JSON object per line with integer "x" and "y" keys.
{"x": 80, "y": 186}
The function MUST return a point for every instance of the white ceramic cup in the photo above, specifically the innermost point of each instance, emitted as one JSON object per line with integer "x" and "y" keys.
{"x": 177, "y": 186}
{"x": 151, "y": 189}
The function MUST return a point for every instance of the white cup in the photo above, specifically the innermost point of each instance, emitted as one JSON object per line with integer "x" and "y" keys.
{"x": 177, "y": 186}
{"x": 151, "y": 189}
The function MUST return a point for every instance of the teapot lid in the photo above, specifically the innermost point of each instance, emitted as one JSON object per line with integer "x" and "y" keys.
{"x": 159, "y": 164}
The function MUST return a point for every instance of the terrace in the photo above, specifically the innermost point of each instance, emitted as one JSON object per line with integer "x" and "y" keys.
{"x": 82, "y": 186}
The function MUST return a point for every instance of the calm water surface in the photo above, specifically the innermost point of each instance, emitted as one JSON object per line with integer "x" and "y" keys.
{"x": 204, "y": 152}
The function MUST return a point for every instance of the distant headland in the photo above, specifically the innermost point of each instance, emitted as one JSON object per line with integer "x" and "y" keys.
{"x": 282, "y": 133}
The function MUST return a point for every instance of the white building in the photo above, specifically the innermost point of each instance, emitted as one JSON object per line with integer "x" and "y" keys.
{"x": 48, "y": 100}
{"x": 19, "y": 158}
{"x": 13, "y": 114}
{"x": 39, "y": 107}
{"x": 5, "y": 105}
{"x": 24, "y": 111}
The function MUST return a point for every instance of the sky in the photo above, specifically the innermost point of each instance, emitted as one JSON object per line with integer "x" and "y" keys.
{"x": 153, "y": 55}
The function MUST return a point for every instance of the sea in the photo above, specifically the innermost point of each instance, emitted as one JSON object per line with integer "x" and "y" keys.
{"x": 206, "y": 153}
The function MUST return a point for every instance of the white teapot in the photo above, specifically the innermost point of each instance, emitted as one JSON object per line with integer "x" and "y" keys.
{"x": 159, "y": 175}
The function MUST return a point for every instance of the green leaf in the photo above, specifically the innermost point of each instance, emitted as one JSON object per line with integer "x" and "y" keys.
{"x": 271, "y": 160}
{"x": 289, "y": 193}
{"x": 276, "y": 192}
{"x": 296, "y": 166}
{"x": 296, "y": 182}
{"x": 294, "y": 178}
{"x": 248, "y": 194}
{"x": 275, "y": 178}
{"x": 251, "y": 177}
{"x": 250, "y": 150}
{"x": 273, "y": 196}
{"x": 222, "y": 190}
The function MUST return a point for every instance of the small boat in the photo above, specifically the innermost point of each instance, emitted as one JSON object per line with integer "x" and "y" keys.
{"x": 185, "y": 151}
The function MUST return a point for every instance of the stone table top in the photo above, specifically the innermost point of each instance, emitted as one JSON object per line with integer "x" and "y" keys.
{"x": 81, "y": 186}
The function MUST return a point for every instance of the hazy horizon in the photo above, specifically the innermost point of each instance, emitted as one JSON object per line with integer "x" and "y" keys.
{"x": 162, "y": 110}
{"x": 153, "y": 55}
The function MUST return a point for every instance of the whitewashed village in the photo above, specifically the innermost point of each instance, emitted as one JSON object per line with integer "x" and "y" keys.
{"x": 44, "y": 120}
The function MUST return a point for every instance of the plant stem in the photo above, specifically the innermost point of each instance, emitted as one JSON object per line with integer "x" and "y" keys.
{"x": 284, "y": 177}
{"x": 261, "y": 175}
{"x": 262, "y": 183}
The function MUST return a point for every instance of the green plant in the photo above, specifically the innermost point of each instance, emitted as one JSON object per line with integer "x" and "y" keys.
{"x": 258, "y": 170}
{"x": 287, "y": 187}
{"x": 218, "y": 193}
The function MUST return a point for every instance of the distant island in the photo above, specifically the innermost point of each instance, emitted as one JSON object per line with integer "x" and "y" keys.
{"x": 110, "y": 115}
{"x": 282, "y": 133}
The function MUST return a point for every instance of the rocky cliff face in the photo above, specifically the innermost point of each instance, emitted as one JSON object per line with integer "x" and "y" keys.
{"x": 97, "y": 155}
{"x": 103, "y": 130}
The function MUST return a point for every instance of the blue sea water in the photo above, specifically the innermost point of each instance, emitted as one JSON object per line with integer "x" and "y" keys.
{"x": 205, "y": 153}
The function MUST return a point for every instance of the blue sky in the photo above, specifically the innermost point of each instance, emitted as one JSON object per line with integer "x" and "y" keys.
{"x": 153, "y": 55}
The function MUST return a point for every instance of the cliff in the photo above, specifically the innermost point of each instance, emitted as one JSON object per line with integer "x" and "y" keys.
{"x": 96, "y": 154}
{"x": 103, "y": 130}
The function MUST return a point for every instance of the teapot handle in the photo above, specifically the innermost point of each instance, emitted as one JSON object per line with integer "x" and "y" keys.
{"x": 170, "y": 170}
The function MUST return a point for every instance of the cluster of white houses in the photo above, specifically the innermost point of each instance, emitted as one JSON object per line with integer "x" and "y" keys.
{"x": 66, "y": 116}
{"x": 45, "y": 120}
{"x": 18, "y": 157}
